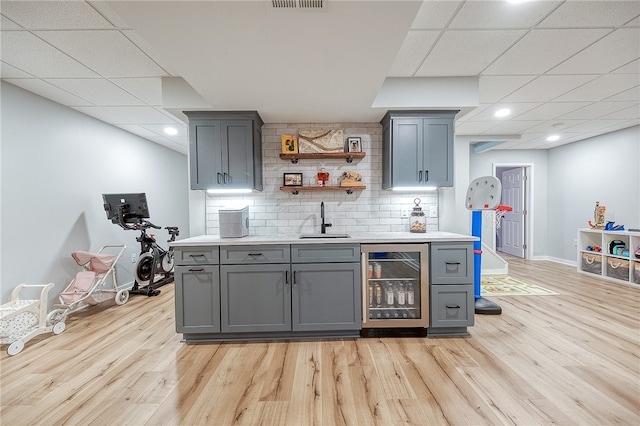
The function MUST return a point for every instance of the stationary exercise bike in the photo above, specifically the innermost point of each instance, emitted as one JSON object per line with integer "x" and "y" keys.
{"x": 154, "y": 261}
{"x": 155, "y": 264}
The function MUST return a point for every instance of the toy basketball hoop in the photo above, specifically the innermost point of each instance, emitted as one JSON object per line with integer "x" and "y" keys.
{"x": 483, "y": 194}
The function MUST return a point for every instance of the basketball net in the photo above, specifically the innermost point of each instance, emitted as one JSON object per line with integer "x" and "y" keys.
{"x": 496, "y": 214}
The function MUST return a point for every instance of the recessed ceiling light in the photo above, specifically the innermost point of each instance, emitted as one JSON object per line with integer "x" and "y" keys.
{"x": 171, "y": 130}
{"x": 502, "y": 112}
{"x": 553, "y": 138}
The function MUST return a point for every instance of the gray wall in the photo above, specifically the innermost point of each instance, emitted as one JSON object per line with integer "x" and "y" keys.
{"x": 56, "y": 164}
{"x": 604, "y": 168}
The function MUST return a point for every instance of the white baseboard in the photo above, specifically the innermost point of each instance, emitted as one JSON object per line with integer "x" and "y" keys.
{"x": 557, "y": 260}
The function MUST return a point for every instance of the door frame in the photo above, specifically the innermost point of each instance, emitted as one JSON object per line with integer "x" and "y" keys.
{"x": 528, "y": 205}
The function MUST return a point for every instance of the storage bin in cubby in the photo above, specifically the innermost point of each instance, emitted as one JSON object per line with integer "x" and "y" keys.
{"x": 618, "y": 268}
{"x": 636, "y": 273}
{"x": 592, "y": 263}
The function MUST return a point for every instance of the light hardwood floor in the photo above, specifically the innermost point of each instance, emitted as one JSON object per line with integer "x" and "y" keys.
{"x": 567, "y": 359}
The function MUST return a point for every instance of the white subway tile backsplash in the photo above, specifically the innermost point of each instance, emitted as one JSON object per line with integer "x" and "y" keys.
{"x": 276, "y": 212}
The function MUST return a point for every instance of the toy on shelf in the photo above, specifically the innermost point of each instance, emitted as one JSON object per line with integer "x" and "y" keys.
{"x": 598, "y": 216}
{"x": 611, "y": 226}
{"x": 597, "y": 249}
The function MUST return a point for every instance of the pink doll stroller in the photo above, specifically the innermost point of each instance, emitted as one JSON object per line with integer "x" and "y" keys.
{"x": 91, "y": 285}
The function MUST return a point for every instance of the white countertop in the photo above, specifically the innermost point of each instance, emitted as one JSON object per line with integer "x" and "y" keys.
{"x": 356, "y": 237}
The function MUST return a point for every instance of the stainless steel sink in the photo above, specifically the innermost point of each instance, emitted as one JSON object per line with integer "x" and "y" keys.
{"x": 325, "y": 236}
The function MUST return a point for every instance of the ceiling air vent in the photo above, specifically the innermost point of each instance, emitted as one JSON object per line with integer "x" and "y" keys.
{"x": 297, "y": 4}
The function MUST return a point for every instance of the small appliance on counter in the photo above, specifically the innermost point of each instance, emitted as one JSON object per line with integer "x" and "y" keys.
{"x": 234, "y": 223}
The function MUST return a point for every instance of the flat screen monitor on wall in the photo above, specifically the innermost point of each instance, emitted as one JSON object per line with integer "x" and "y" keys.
{"x": 126, "y": 208}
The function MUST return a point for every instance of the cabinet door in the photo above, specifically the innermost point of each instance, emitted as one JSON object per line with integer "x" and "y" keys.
{"x": 452, "y": 306}
{"x": 255, "y": 298}
{"x": 197, "y": 299}
{"x": 237, "y": 152}
{"x": 406, "y": 151}
{"x": 205, "y": 154}
{"x": 326, "y": 296}
{"x": 437, "y": 154}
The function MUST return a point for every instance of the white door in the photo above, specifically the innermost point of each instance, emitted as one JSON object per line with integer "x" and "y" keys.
{"x": 512, "y": 228}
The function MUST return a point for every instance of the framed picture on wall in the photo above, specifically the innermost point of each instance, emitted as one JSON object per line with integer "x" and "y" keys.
{"x": 354, "y": 144}
{"x": 292, "y": 179}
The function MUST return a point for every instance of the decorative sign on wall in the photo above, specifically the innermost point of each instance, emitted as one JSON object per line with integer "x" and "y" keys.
{"x": 315, "y": 140}
{"x": 289, "y": 144}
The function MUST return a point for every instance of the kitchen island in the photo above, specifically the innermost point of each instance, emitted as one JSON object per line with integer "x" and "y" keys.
{"x": 282, "y": 286}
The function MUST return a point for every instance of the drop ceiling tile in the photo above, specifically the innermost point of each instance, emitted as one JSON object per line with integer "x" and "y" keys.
{"x": 554, "y": 126}
{"x": 412, "y": 53}
{"x": 630, "y": 68}
{"x": 30, "y": 54}
{"x": 632, "y": 94}
{"x": 594, "y": 125}
{"x": 143, "y": 115}
{"x": 634, "y": 22}
{"x": 473, "y": 127}
{"x": 8, "y": 24}
{"x": 107, "y": 52}
{"x": 495, "y": 88}
{"x": 613, "y": 51}
{"x": 599, "y": 14}
{"x": 46, "y": 90}
{"x": 516, "y": 110}
{"x": 147, "y": 89}
{"x": 602, "y": 87}
{"x": 547, "y": 87}
{"x": 8, "y": 71}
{"x": 435, "y": 14}
{"x": 540, "y": 51}
{"x": 54, "y": 15}
{"x": 102, "y": 115}
{"x": 551, "y": 111}
{"x": 500, "y": 14}
{"x": 474, "y": 112}
{"x": 631, "y": 113}
{"x": 98, "y": 91}
{"x": 597, "y": 110}
{"x": 513, "y": 126}
{"x": 474, "y": 51}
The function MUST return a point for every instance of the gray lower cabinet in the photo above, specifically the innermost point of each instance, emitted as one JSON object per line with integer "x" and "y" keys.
{"x": 255, "y": 298}
{"x": 197, "y": 290}
{"x": 290, "y": 290}
{"x": 451, "y": 289}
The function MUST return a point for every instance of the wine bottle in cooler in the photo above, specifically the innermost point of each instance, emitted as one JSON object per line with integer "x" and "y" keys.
{"x": 410, "y": 295}
{"x": 389, "y": 295}
{"x": 401, "y": 299}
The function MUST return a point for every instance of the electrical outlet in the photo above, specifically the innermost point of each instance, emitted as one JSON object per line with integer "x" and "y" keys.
{"x": 575, "y": 243}
{"x": 404, "y": 212}
{"x": 433, "y": 211}
{"x": 133, "y": 258}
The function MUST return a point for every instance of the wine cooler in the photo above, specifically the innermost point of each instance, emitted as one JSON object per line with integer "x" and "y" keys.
{"x": 395, "y": 285}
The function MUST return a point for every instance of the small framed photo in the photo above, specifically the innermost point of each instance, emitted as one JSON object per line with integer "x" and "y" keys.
{"x": 354, "y": 144}
{"x": 292, "y": 179}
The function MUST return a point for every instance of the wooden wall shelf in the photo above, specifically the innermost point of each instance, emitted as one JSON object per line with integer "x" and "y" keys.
{"x": 296, "y": 189}
{"x": 348, "y": 156}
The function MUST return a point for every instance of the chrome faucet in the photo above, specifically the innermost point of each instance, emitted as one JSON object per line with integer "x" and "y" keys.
{"x": 323, "y": 226}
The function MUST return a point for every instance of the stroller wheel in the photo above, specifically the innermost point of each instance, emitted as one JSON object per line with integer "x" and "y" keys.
{"x": 59, "y": 327}
{"x": 122, "y": 296}
{"x": 15, "y": 348}
{"x": 144, "y": 269}
{"x": 57, "y": 315}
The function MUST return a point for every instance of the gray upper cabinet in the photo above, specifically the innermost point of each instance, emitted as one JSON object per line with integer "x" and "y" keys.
{"x": 225, "y": 150}
{"x": 417, "y": 148}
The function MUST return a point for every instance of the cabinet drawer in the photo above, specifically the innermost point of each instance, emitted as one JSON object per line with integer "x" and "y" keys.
{"x": 325, "y": 253}
{"x": 452, "y": 306}
{"x": 452, "y": 263}
{"x": 197, "y": 255}
{"x": 237, "y": 255}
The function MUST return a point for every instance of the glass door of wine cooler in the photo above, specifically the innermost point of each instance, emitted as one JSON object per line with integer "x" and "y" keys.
{"x": 395, "y": 285}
